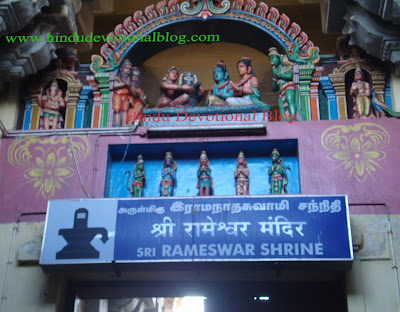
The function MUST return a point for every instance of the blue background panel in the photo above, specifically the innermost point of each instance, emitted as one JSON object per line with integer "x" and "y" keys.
{"x": 222, "y": 157}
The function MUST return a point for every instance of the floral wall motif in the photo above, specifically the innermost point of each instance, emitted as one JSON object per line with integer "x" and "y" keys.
{"x": 357, "y": 149}
{"x": 47, "y": 163}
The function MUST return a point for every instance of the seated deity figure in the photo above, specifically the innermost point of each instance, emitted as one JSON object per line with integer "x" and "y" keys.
{"x": 222, "y": 89}
{"x": 246, "y": 90}
{"x": 128, "y": 99}
{"x": 168, "y": 175}
{"x": 51, "y": 104}
{"x": 190, "y": 79}
{"x": 171, "y": 93}
{"x": 361, "y": 94}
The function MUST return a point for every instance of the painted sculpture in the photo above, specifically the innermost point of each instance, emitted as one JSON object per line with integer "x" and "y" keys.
{"x": 277, "y": 173}
{"x": 51, "y": 103}
{"x": 242, "y": 175}
{"x": 128, "y": 99}
{"x": 246, "y": 90}
{"x": 361, "y": 94}
{"x": 204, "y": 183}
{"x": 197, "y": 95}
{"x": 168, "y": 175}
{"x": 138, "y": 178}
{"x": 282, "y": 82}
{"x": 222, "y": 89}
{"x": 171, "y": 93}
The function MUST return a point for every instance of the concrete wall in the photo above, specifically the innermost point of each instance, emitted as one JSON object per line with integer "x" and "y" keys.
{"x": 27, "y": 288}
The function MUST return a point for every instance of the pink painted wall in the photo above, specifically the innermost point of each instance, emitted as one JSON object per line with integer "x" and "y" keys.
{"x": 357, "y": 158}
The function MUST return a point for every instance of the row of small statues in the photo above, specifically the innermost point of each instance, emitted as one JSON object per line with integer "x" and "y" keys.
{"x": 277, "y": 173}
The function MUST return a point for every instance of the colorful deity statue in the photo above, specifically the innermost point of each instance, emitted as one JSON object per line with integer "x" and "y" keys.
{"x": 128, "y": 99}
{"x": 138, "y": 178}
{"x": 171, "y": 93}
{"x": 168, "y": 175}
{"x": 242, "y": 175}
{"x": 361, "y": 94}
{"x": 51, "y": 103}
{"x": 282, "y": 81}
{"x": 190, "y": 79}
{"x": 222, "y": 89}
{"x": 246, "y": 89}
{"x": 205, "y": 182}
{"x": 277, "y": 173}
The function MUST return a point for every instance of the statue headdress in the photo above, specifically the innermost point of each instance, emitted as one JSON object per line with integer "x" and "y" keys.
{"x": 54, "y": 83}
{"x": 169, "y": 155}
{"x": 275, "y": 151}
{"x": 203, "y": 155}
{"x": 241, "y": 155}
{"x": 273, "y": 51}
{"x": 168, "y": 71}
{"x": 358, "y": 70}
{"x": 139, "y": 160}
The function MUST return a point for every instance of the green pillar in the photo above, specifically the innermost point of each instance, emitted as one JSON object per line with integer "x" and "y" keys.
{"x": 103, "y": 80}
{"x": 305, "y": 77}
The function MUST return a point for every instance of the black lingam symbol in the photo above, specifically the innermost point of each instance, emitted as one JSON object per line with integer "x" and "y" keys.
{"x": 79, "y": 238}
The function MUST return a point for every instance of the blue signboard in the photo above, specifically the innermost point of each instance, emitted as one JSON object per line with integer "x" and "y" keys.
{"x": 233, "y": 228}
{"x": 181, "y": 229}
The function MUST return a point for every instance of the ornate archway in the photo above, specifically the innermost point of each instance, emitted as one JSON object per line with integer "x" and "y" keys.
{"x": 269, "y": 20}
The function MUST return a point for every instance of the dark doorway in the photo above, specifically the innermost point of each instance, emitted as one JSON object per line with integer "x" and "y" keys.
{"x": 279, "y": 297}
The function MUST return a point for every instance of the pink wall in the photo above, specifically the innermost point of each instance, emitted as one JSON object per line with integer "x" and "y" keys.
{"x": 358, "y": 158}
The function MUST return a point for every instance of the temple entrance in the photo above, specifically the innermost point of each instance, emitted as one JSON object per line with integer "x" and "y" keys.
{"x": 220, "y": 297}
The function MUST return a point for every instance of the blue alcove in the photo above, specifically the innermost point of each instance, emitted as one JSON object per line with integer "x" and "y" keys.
{"x": 222, "y": 157}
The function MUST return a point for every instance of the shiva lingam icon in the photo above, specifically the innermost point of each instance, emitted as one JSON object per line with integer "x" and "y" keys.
{"x": 79, "y": 238}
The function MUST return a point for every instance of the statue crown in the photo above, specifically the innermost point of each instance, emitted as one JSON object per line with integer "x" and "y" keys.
{"x": 54, "y": 83}
{"x": 273, "y": 51}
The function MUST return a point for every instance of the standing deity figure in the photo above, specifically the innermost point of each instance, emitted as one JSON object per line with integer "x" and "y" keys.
{"x": 282, "y": 81}
{"x": 361, "y": 94}
{"x": 277, "y": 173}
{"x": 222, "y": 89}
{"x": 190, "y": 79}
{"x": 51, "y": 104}
{"x": 242, "y": 175}
{"x": 138, "y": 178}
{"x": 168, "y": 175}
{"x": 128, "y": 99}
{"x": 171, "y": 93}
{"x": 205, "y": 183}
{"x": 246, "y": 89}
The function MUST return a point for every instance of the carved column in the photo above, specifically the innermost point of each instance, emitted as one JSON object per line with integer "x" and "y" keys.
{"x": 314, "y": 100}
{"x": 330, "y": 94}
{"x": 28, "y": 113}
{"x": 96, "y": 101}
{"x": 81, "y": 106}
{"x": 388, "y": 93}
{"x": 338, "y": 83}
{"x": 103, "y": 80}
{"x": 35, "y": 112}
{"x": 305, "y": 77}
{"x": 70, "y": 112}
{"x": 378, "y": 86}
